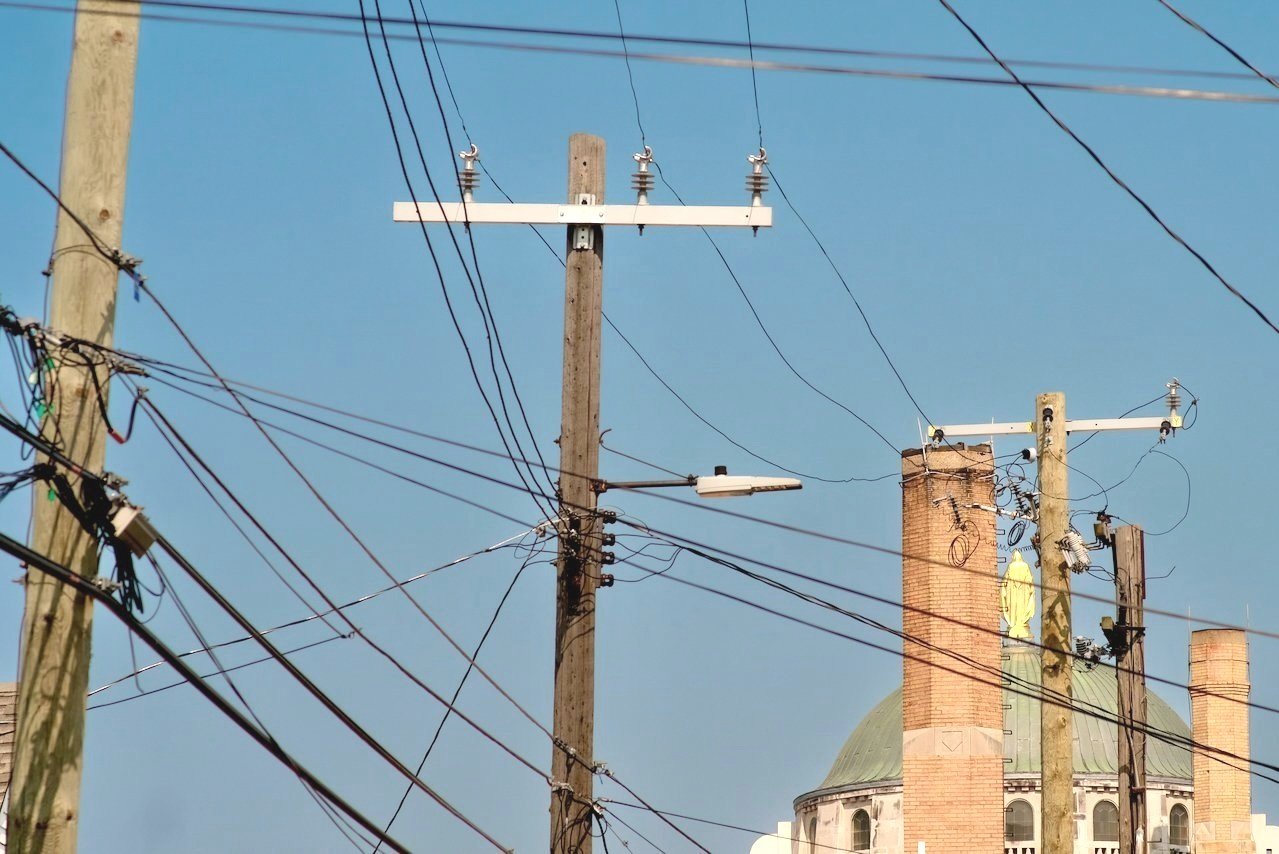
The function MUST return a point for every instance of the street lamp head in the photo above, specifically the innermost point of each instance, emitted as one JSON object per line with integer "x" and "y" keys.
{"x": 723, "y": 485}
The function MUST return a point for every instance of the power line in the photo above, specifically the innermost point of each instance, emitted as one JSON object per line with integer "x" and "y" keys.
{"x": 1179, "y": 93}
{"x": 702, "y": 550}
{"x": 314, "y": 690}
{"x": 493, "y": 336}
{"x": 759, "y": 121}
{"x": 1042, "y": 695}
{"x": 458, "y": 691}
{"x": 335, "y": 818}
{"x": 701, "y": 506}
{"x": 86, "y": 587}
{"x": 167, "y": 426}
{"x": 625, "y": 339}
{"x": 643, "y": 139}
{"x": 170, "y": 435}
{"x": 660, "y": 496}
{"x": 1028, "y": 88}
{"x": 1227, "y": 48}
{"x": 439, "y": 272}
{"x": 647, "y": 38}
{"x": 502, "y": 544}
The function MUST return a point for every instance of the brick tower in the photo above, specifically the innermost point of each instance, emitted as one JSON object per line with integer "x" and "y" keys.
{"x": 1223, "y": 794}
{"x": 952, "y": 739}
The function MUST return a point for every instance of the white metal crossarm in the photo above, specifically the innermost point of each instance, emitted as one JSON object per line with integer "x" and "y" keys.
{"x": 1008, "y": 428}
{"x": 500, "y": 213}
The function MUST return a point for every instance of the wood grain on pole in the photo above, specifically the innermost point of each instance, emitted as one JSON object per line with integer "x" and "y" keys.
{"x": 578, "y": 567}
{"x": 1058, "y": 813}
{"x": 1130, "y": 666}
{"x": 44, "y": 804}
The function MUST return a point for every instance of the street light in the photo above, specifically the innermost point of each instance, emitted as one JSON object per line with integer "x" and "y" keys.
{"x": 719, "y": 485}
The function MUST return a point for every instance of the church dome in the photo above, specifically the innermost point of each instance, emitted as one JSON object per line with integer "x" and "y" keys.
{"x": 872, "y": 756}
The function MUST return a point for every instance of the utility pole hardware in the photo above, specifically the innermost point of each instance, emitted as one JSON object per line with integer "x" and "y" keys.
{"x": 1058, "y": 544}
{"x": 44, "y": 804}
{"x": 581, "y": 536}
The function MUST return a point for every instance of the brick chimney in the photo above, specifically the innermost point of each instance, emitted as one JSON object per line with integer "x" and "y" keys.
{"x": 1223, "y": 794}
{"x": 952, "y": 739}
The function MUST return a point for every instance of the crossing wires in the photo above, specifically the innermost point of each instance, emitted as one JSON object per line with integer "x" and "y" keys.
{"x": 1110, "y": 173}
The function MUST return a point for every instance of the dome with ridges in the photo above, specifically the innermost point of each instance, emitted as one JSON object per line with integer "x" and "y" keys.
{"x": 872, "y": 756}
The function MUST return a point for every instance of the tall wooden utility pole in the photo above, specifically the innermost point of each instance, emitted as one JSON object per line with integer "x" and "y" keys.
{"x": 578, "y": 566}
{"x": 44, "y": 804}
{"x": 581, "y": 537}
{"x": 1130, "y": 666}
{"x": 1050, "y": 428}
{"x": 1056, "y": 725}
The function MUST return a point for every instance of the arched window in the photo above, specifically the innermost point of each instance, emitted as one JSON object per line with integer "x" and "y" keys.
{"x": 812, "y": 835}
{"x": 1179, "y": 825}
{"x": 861, "y": 831}
{"x": 1019, "y": 822}
{"x": 1105, "y": 822}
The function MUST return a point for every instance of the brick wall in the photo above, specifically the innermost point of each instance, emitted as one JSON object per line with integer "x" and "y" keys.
{"x": 953, "y": 766}
{"x": 1223, "y": 795}
{"x": 8, "y": 709}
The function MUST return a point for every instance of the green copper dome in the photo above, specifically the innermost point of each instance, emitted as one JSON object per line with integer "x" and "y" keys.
{"x": 873, "y": 753}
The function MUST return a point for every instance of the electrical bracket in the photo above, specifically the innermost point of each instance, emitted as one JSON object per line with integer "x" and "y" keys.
{"x": 584, "y": 235}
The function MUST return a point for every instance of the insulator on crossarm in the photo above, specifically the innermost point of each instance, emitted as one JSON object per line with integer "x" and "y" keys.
{"x": 642, "y": 179}
{"x": 468, "y": 178}
{"x": 756, "y": 180}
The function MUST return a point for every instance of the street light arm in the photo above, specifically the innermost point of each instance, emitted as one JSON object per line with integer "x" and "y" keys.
{"x": 605, "y": 485}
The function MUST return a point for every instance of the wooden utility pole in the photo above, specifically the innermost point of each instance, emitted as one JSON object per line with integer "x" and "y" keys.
{"x": 1055, "y": 719}
{"x": 44, "y": 804}
{"x": 578, "y": 567}
{"x": 1051, "y": 428}
{"x": 580, "y": 529}
{"x": 1130, "y": 667}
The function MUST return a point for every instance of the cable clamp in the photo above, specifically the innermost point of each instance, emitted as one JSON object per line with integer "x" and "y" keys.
{"x": 106, "y": 585}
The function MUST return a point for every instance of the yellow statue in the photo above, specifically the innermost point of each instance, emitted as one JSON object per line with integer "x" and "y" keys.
{"x": 1017, "y": 597}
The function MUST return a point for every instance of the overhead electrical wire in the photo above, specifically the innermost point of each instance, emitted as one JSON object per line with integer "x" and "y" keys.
{"x": 333, "y": 816}
{"x": 479, "y": 289}
{"x": 509, "y": 542}
{"x": 457, "y": 692}
{"x": 1221, "y": 44}
{"x": 696, "y": 505}
{"x": 556, "y": 255}
{"x": 649, "y": 38}
{"x": 824, "y": 629}
{"x": 727, "y": 826}
{"x": 426, "y": 238}
{"x": 86, "y": 587}
{"x": 169, "y": 432}
{"x": 729, "y": 559}
{"x": 1029, "y": 89}
{"x": 759, "y": 122}
{"x": 315, "y": 691}
{"x": 737, "y": 281}
{"x": 657, "y": 495}
{"x": 167, "y": 428}
{"x": 1041, "y": 695}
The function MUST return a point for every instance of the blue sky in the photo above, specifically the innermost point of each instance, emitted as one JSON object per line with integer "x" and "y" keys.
{"x": 995, "y": 260}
